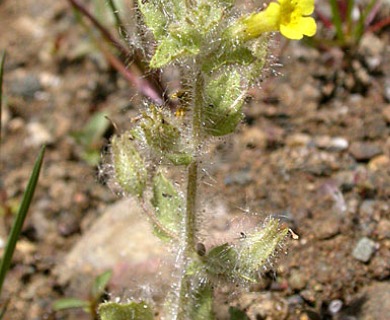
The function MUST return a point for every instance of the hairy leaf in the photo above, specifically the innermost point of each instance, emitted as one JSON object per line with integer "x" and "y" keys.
{"x": 125, "y": 311}
{"x": 168, "y": 206}
{"x": 130, "y": 171}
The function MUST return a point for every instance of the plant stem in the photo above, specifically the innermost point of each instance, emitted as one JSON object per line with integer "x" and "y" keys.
{"x": 190, "y": 231}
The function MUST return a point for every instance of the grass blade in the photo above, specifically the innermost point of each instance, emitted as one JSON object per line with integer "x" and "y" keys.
{"x": 337, "y": 22}
{"x": 19, "y": 219}
{"x": 2, "y": 59}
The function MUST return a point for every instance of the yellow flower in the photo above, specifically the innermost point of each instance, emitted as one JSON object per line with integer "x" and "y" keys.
{"x": 290, "y": 17}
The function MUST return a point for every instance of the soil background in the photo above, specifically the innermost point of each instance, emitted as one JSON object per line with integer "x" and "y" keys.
{"x": 314, "y": 150}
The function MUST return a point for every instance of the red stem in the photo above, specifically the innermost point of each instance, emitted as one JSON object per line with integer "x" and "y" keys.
{"x": 149, "y": 85}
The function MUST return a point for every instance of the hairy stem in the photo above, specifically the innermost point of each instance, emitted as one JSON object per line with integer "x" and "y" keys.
{"x": 191, "y": 227}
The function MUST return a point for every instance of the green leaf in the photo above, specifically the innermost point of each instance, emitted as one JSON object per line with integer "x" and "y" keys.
{"x": 169, "y": 205}
{"x": 159, "y": 131}
{"x": 179, "y": 159}
{"x": 70, "y": 303}
{"x": 259, "y": 246}
{"x": 206, "y": 16}
{"x": 228, "y": 54}
{"x": 20, "y": 217}
{"x": 100, "y": 283}
{"x": 237, "y": 314}
{"x": 223, "y": 110}
{"x": 242, "y": 261}
{"x": 221, "y": 262}
{"x": 126, "y": 311}
{"x": 181, "y": 42}
{"x": 202, "y": 308}
{"x": 91, "y": 134}
{"x": 154, "y": 17}
{"x": 162, "y": 135}
{"x": 130, "y": 170}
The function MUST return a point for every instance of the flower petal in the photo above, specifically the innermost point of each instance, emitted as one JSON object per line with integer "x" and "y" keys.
{"x": 272, "y": 12}
{"x": 305, "y": 6}
{"x": 308, "y": 26}
{"x": 290, "y": 31}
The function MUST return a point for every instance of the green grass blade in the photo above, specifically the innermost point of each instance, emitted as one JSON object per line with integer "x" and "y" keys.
{"x": 118, "y": 22}
{"x": 18, "y": 223}
{"x": 336, "y": 19}
{"x": 2, "y": 59}
{"x": 70, "y": 303}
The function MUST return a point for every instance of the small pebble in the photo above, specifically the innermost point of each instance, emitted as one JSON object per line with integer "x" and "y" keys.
{"x": 363, "y": 151}
{"x": 379, "y": 162}
{"x": 386, "y": 110}
{"x": 38, "y": 134}
{"x": 364, "y": 249}
{"x": 26, "y": 86}
{"x": 242, "y": 178}
{"x": 335, "y": 306}
{"x": 297, "y": 280}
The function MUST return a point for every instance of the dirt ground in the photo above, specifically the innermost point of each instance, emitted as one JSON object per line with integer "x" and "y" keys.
{"x": 314, "y": 151}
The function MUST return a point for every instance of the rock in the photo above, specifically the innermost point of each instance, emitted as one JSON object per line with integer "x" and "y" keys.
{"x": 367, "y": 208}
{"x": 254, "y": 137}
{"x": 297, "y": 280}
{"x": 363, "y": 151}
{"x": 379, "y": 266}
{"x": 242, "y": 178}
{"x": 380, "y": 162}
{"x": 372, "y": 49}
{"x": 339, "y": 144}
{"x": 335, "y": 306}
{"x": 298, "y": 140}
{"x": 383, "y": 229}
{"x": 386, "y": 111}
{"x": 327, "y": 228}
{"x": 120, "y": 240}
{"x": 386, "y": 90}
{"x": 26, "y": 86}
{"x": 263, "y": 306}
{"x": 345, "y": 180}
{"x": 38, "y": 135}
{"x": 364, "y": 249}
{"x": 376, "y": 305}
{"x": 332, "y": 144}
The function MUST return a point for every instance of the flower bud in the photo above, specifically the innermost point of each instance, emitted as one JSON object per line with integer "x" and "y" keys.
{"x": 130, "y": 171}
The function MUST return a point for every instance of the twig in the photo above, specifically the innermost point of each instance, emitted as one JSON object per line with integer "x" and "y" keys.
{"x": 153, "y": 88}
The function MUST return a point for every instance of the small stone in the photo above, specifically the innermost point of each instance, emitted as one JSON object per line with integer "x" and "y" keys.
{"x": 379, "y": 162}
{"x": 308, "y": 295}
{"x": 386, "y": 91}
{"x": 345, "y": 180}
{"x": 242, "y": 178}
{"x": 298, "y": 140}
{"x": 364, "y": 249}
{"x": 26, "y": 86}
{"x": 295, "y": 299}
{"x": 376, "y": 297}
{"x": 383, "y": 229}
{"x": 386, "y": 110}
{"x": 363, "y": 151}
{"x": 254, "y": 137}
{"x": 327, "y": 228}
{"x": 38, "y": 135}
{"x": 297, "y": 280}
{"x": 367, "y": 208}
{"x": 339, "y": 144}
{"x": 332, "y": 144}
{"x": 335, "y": 306}
{"x": 322, "y": 142}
